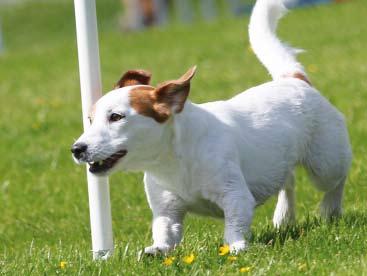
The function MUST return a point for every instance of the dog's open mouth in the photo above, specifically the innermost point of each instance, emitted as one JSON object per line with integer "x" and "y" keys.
{"x": 104, "y": 165}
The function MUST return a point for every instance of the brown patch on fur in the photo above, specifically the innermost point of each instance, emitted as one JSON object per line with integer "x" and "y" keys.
{"x": 159, "y": 103}
{"x": 299, "y": 76}
{"x": 134, "y": 77}
{"x": 142, "y": 99}
{"x": 174, "y": 93}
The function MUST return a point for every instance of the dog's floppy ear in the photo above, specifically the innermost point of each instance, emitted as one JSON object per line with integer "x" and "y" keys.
{"x": 134, "y": 77}
{"x": 173, "y": 94}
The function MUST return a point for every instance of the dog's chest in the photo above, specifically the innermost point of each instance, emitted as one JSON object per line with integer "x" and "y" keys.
{"x": 180, "y": 183}
{"x": 193, "y": 190}
{"x": 196, "y": 200}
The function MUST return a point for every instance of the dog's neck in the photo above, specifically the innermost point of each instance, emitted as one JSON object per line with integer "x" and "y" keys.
{"x": 181, "y": 137}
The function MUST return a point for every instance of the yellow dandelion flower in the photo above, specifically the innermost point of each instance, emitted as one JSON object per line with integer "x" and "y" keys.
{"x": 63, "y": 264}
{"x": 232, "y": 258}
{"x": 313, "y": 68}
{"x": 55, "y": 103}
{"x": 224, "y": 250}
{"x": 36, "y": 126}
{"x": 39, "y": 101}
{"x": 302, "y": 266}
{"x": 168, "y": 261}
{"x": 189, "y": 259}
{"x": 245, "y": 269}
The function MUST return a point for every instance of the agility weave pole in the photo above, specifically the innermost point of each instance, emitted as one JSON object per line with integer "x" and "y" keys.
{"x": 91, "y": 91}
{"x": 1, "y": 39}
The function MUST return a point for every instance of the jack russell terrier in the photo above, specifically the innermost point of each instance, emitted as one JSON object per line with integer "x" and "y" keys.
{"x": 222, "y": 158}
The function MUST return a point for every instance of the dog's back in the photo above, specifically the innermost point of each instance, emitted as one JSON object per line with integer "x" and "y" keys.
{"x": 327, "y": 152}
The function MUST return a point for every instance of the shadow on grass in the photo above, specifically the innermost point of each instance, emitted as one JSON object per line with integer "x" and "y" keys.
{"x": 271, "y": 236}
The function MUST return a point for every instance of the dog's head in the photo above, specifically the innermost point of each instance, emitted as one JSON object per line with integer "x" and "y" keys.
{"x": 129, "y": 124}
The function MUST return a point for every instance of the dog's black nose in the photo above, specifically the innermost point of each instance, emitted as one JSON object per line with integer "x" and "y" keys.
{"x": 78, "y": 149}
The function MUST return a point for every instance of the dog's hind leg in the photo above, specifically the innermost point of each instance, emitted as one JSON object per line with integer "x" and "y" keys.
{"x": 331, "y": 204}
{"x": 328, "y": 161}
{"x": 285, "y": 210}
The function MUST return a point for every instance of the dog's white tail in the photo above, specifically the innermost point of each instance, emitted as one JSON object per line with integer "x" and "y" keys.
{"x": 278, "y": 58}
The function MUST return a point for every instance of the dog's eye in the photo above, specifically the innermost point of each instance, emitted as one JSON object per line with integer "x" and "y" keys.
{"x": 90, "y": 120}
{"x": 114, "y": 117}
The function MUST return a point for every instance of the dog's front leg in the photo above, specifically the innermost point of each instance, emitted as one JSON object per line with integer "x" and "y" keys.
{"x": 168, "y": 213}
{"x": 238, "y": 205}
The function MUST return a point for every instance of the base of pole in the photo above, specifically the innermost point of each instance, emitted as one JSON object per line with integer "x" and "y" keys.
{"x": 102, "y": 254}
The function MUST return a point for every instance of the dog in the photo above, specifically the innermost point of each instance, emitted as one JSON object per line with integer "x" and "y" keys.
{"x": 222, "y": 158}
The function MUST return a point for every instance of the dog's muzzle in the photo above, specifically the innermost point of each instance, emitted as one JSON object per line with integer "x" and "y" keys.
{"x": 79, "y": 151}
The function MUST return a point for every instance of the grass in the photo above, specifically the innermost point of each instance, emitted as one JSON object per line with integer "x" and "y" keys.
{"x": 43, "y": 195}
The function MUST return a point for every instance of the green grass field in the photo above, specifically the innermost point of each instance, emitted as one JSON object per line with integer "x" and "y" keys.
{"x": 44, "y": 217}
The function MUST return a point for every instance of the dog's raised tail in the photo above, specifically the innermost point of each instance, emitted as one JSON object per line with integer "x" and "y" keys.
{"x": 277, "y": 57}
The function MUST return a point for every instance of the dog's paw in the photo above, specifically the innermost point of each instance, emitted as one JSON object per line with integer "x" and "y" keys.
{"x": 157, "y": 249}
{"x": 237, "y": 247}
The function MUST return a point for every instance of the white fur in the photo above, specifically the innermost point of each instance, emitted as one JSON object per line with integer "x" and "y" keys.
{"x": 224, "y": 158}
{"x": 277, "y": 57}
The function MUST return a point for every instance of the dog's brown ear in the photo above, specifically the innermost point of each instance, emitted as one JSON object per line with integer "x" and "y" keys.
{"x": 173, "y": 94}
{"x": 134, "y": 77}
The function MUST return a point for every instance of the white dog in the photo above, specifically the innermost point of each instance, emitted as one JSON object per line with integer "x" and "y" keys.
{"x": 222, "y": 158}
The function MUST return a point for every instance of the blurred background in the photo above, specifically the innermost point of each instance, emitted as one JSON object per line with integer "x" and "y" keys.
{"x": 44, "y": 215}
{"x": 139, "y": 14}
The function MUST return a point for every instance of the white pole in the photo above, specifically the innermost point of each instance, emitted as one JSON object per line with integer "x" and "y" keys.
{"x": 1, "y": 39}
{"x": 90, "y": 83}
